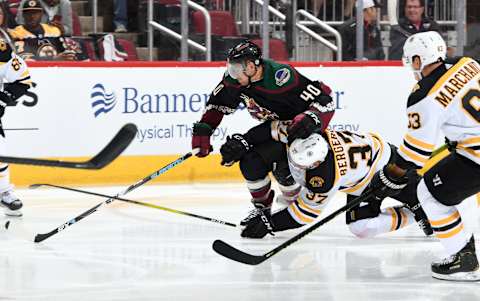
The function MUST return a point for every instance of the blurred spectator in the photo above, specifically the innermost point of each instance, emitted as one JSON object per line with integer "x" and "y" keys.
{"x": 372, "y": 44}
{"x": 55, "y": 12}
{"x": 120, "y": 15}
{"x": 40, "y": 41}
{"x": 333, "y": 10}
{"x": 7, "y": 20}
{"x": 414, "y": 21}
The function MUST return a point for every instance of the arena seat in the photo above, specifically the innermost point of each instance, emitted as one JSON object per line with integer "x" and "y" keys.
{"x": 76, "y": 25}
{"x": 129, "y": 48}
{"x": 223, "y": 23}
{"x": 278, "y": 48}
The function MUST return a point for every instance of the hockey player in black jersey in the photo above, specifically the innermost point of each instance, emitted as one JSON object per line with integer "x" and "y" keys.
{"x": 341, "y": 161}
{"x": 270, "y": 91}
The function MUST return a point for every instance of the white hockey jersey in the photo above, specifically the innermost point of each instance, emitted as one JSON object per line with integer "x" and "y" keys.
{"x": 13, "y": 68}
{"x": 349, "y": 166}
{"x": 447, "y": 101}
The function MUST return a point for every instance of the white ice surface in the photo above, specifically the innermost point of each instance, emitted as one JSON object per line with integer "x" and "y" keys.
{"x": 128, "y": 252}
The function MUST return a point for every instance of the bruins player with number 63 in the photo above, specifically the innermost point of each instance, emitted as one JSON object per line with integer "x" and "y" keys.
{"x": 445, "y": 100}
{"x": 16, "y": 81}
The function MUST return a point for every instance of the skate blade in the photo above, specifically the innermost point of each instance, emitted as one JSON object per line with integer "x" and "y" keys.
{"x": 13, "y": 213}
{"x": 462, "y": 276}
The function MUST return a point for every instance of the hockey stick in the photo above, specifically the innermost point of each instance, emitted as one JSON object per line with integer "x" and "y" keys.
{"x": 138, "y": 203}
{"x": 42, "y": 236}
{"x": 113, "y": 149}
{"x": 232, "y": 253}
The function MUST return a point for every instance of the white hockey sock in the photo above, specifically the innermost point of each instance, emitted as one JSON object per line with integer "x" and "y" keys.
{"x": 389, "y": 219}
{"x": 446, "y": 221}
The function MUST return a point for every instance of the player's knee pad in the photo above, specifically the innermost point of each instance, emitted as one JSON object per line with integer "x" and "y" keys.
{"x": 253, "y": 167}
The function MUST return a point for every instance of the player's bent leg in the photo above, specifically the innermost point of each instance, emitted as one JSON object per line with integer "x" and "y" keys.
{"x": 8, "y": 199}
{"x": 369, "y": 223}
{"x": 288, "y": 187}
{"x": 461, "y": 264}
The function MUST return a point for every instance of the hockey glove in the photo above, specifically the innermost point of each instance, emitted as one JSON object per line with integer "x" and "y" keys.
{"x": 5, "y": 100}
{"x": 257, "y": 224}
{"x": 304, "y": 124}
{"x": 234, "y": 149}
{"x": 201, "y": 138}
{"x": 384, "y": 185}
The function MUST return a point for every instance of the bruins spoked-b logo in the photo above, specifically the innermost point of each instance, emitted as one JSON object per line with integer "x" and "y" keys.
{"x": 102, "y": 101}
{"x": 316, "y": 181}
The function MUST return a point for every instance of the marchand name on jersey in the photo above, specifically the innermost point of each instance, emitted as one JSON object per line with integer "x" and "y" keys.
{"x": 456, "y": 82}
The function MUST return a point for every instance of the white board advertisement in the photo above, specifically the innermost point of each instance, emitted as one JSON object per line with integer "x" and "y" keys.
{"x": 76, "y": 111}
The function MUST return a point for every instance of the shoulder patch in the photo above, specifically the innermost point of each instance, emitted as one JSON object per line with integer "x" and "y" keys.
{"x": 282, "y": 76}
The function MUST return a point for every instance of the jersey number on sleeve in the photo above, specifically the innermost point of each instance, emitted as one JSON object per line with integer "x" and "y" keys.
{"x": 310, "y": 93}
{"x": 414, "y": 121}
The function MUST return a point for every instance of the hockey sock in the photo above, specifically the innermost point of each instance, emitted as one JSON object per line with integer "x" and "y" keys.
{"x": 260, "y": 191}
{"x": 445, "y": 220}
{"x": 390, "y": 219}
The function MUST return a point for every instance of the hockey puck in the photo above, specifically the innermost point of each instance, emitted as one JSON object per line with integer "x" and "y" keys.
{"x": 7, "y": 224}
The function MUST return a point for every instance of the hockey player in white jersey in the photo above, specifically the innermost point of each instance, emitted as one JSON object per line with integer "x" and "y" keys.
{"x": 16, "y": 81}
{"x": 445, "y": 100}
{"x": 340, "y": 161}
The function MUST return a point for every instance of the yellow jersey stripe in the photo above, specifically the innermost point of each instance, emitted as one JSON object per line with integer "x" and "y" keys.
{"x": 394, "y": 219}
{"x": 448, "y": 74}
{"x": 451, "y": 233}
{"x": 414, "y": 156}
{"x": 446, "y": 220}
{"x": 308, "y": 208}
{"x": 418, "y": 143}
{"x": 299, "y": 215}
{"x": 474, "y": 140}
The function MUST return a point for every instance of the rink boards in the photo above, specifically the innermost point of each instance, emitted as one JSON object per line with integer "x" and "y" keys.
{"x": 75, "y": 109}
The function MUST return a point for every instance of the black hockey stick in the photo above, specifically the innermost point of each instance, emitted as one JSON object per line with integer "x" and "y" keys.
{"x": 232, "y": 253}
{"x": 113, "y": 149}
{"x": 138, "y": 203}
{"x": 42, "y": 236}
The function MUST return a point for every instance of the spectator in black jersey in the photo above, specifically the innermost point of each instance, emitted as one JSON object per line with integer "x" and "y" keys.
{"x": 40, "y": 41}
{"x": 414, "y": 21}
{"x": 372, "y": 44}
{"x": 270, "y": 92}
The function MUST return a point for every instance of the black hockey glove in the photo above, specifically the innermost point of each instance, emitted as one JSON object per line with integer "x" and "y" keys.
{"x": 5, "y": 100}
{"x": 201, "y": 138}
{"x": 234, "y": 149}
{"x": 258, "y": 224}
{"x": 384, "y": 185}
{"x": 304, "y": 124}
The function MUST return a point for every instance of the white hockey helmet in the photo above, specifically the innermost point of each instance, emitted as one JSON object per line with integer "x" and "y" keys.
{"x": 429, "y": 46}
{"x": 309, "y": 152}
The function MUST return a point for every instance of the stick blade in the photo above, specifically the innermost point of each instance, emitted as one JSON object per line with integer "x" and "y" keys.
{"x": 41, "y": 237}
{"x": 113, "y": 149}
{"x": 234, "y": 254}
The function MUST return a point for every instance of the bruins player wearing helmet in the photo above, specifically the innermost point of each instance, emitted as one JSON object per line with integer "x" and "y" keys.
{"x": 16, "y": 81}
{"x": 270, "y": 92}
{"x": 445, "y": 100}
{"x": 342, "y": 161}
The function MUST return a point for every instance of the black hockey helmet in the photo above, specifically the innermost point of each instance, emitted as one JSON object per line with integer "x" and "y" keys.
{"x": 245, "y": 51}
